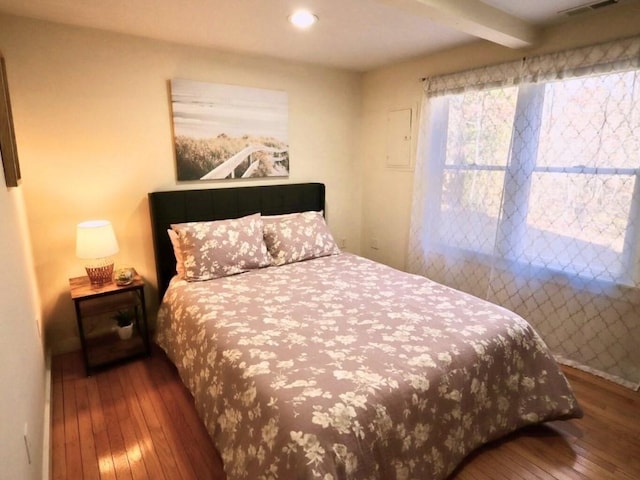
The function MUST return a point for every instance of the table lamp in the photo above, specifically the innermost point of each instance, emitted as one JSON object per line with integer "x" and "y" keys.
{"x": 96, "y": 243}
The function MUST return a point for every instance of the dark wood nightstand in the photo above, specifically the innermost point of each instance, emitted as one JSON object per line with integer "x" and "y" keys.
{"x": 101, "y": 346}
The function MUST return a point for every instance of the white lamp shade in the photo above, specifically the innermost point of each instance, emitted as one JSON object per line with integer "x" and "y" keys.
{"x": 95, "y": 239}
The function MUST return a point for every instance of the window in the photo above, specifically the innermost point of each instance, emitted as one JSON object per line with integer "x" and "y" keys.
{"x": 527, "y": 193}
{"x": 543, "y": 174}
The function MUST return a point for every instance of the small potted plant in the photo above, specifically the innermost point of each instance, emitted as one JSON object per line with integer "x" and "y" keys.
{"x": 124, "y": 320}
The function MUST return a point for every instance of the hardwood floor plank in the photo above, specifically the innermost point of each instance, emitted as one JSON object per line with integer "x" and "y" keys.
{"x": 144, "y": 404}
{"x": 547, "y": 463}
{"x": 90, "y": 470}
{"x": 145, "y": 439}
{"x": 525, "y": 468}
{"x": 154, "y": 425}
{"x": 548, "y": 444}
{"x": 187, "y": 421}
{"x": 73, "y": 459}
{"x": 58, "y": 461}
{"x": 509, "y": 465}
{"x": 173, "y": 437}
{"x": 114, "y": 434}
{"x": 133, "y": 449}
{"x": 103, "y": 449}
{"x": 490, "y": 469}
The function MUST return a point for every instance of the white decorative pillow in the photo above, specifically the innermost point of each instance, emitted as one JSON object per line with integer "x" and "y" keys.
{"x": 298, "y": 237}
{"x": 219, "y": 248}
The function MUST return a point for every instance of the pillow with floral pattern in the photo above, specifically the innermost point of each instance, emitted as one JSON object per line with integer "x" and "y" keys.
{"x": 220, "y": 248}
{"x": 298, "y": 237}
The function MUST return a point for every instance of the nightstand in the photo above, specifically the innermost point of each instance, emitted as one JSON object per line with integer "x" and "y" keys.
{"x": 95, "y": 307}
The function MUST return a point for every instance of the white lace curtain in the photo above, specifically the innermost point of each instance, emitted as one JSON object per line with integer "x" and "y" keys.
{"x": 527, "y": 193}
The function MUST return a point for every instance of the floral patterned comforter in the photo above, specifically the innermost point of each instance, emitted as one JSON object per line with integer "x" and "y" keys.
{"x": 343, "y": 368}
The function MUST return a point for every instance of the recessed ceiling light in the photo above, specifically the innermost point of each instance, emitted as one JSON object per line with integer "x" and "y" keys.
{"x": 303, "y": 19}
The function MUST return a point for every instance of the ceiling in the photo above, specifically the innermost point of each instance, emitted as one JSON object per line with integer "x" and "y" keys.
{"x": 357, "y": 35}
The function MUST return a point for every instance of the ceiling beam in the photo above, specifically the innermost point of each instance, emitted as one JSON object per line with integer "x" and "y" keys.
{"x": 475, "y": 18}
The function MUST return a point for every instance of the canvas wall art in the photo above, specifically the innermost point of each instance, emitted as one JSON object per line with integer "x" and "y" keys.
{"x": 226, "y": 131}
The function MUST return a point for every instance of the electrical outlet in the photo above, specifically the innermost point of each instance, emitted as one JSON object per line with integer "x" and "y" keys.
{"x": 27, "y": 442}
{"x": 374, "y": 244}
{"x": 342, "y": 243}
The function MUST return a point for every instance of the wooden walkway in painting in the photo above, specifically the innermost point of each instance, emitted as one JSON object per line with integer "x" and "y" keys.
{"x": 227, "y": 168}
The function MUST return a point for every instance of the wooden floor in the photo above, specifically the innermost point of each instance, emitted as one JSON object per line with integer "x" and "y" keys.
{"x": 137, "y": 421}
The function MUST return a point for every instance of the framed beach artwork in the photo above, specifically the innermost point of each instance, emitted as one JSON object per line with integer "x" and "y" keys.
{"x": 226, "y": 131}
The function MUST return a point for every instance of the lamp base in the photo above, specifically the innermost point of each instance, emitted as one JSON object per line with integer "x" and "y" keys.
{"x": 99, "y": 276}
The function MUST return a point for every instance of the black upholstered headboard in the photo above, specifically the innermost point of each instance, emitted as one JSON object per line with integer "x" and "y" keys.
{"x": 217, "y": 204}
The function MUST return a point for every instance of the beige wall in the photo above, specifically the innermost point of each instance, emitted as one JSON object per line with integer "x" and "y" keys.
{"x": 387, "y": 192}
{"x": 93, "y": 124}
{"x": 22, "y": 364}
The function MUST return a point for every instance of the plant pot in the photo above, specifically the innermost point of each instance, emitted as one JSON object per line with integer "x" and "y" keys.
{"x": 125, "y": 332}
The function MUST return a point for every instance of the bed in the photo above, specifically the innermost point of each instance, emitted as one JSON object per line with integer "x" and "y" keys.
{"x": 319, "y": 364}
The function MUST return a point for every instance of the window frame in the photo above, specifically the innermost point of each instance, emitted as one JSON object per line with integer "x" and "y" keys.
{"x": 518, "y": 177}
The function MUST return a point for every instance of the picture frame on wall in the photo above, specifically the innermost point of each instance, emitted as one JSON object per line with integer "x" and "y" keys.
{"x": 8, "y": 150}
{"x": 229, "y": 132}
